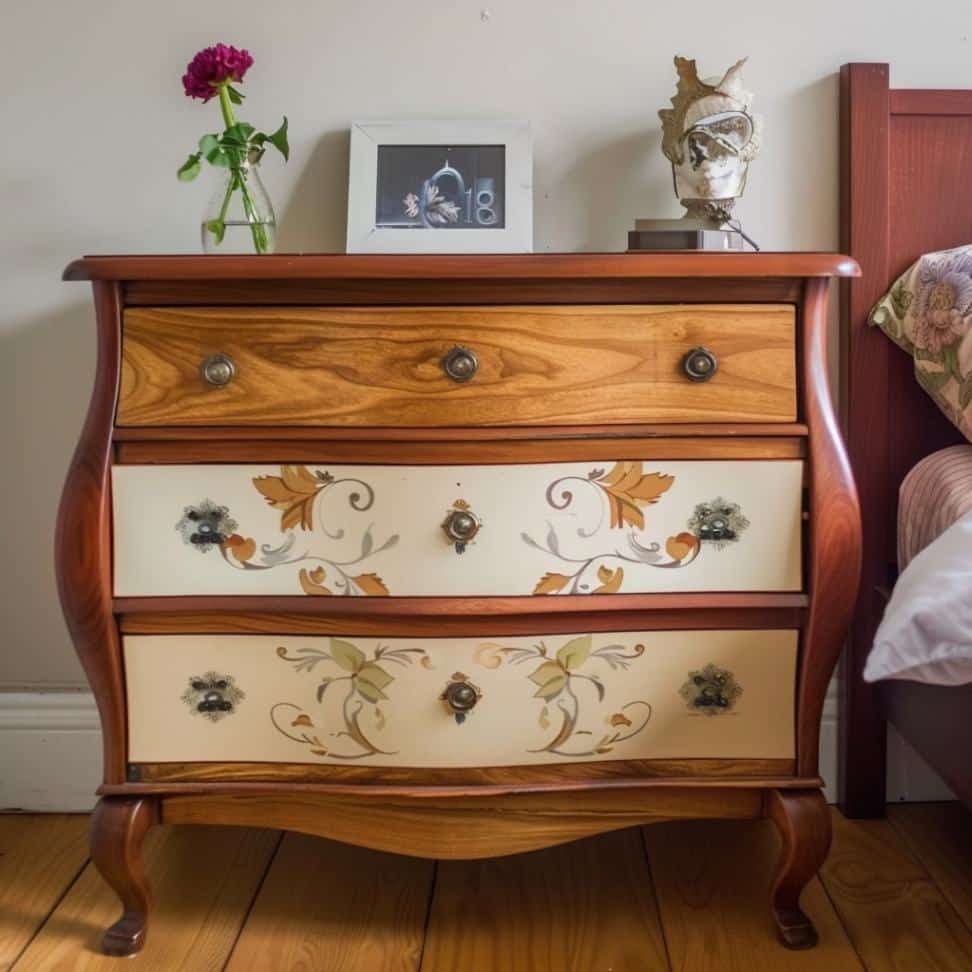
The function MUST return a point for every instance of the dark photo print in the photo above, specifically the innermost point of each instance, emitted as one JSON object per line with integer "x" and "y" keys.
{"x": 441, "y": 187}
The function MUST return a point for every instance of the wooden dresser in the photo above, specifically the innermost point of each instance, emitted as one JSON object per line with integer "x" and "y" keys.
{"x": 459, "y": 556}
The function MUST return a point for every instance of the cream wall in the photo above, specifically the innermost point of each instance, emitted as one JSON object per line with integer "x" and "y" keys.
{"x": 94, "y": 124}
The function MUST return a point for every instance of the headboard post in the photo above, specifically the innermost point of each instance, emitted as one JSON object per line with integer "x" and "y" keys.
{"x": 865, "y": 234}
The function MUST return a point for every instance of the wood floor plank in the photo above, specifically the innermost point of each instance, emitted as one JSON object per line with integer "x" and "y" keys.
{"x": 575, "y": 908}
{"x": 712, "y": 880}
{"x": 40, "y": 855}
{"x": 939, "y": 835}
{"x": 203, "y": 880}
{"x": 893, "y": 911}
{"x": 326, "y": 905}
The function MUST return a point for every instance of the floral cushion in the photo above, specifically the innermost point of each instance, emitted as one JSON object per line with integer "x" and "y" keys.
{"x": 928, "y": 313}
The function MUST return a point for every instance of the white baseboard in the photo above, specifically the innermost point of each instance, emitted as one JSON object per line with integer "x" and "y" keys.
{"x": 50, "y": 755}
{"x": 50, "y": 751}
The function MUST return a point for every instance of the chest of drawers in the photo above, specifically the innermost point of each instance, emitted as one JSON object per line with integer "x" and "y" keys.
{"x": 459, "y": 557}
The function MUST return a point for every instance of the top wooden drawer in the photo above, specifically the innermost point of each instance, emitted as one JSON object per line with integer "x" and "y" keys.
{"x": 559, "y": 365}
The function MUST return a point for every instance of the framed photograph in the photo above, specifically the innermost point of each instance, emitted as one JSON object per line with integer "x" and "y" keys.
{"x": 440, "y": 187}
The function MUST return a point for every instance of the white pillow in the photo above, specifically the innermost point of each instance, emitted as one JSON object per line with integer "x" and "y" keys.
{"x": 926, "y": 633}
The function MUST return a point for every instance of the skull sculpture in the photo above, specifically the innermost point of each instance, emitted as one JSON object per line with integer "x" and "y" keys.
{"x": 710, "y": 136}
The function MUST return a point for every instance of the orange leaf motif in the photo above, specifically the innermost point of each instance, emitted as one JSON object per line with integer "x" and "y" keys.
{"x": 682, "y": 546}
{"x": 619, "y": 719}
{"x": 610, "y": 580}
{"x": 293, "y": 493}
{"x": 312, "y": 581}
{"x": 629, "y": 489}
{"x": 303, "y": 720}
{"x": 241, "y": 548}
{"x": 551, "y": 583}
{"x": 371, "y": 584}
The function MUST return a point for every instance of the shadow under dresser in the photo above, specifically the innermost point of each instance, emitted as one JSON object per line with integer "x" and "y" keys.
{"x": 459, "y": 556}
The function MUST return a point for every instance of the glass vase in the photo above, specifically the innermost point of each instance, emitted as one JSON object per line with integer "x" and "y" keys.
{"x": 240, "y": 217}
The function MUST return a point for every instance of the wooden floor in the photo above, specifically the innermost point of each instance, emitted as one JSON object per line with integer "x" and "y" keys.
{"x": 895, "y": 894}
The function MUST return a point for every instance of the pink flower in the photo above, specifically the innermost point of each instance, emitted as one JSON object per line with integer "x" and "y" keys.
{"x": 944, "y": 300}
{"x": 212, "y": 67}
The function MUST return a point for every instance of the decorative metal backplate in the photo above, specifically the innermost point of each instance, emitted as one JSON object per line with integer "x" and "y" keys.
{"x": 711, "y": 690}
{"x": 718, "y": 522}
{"x": 206, "y": 526}
{"x": 212, "y": 695}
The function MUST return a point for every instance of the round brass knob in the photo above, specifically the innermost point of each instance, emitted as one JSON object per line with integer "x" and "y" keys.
{"x": 700, "y": 364}
{"x": 460, "y": 364}
{"x": 460, "y": 696}
{"x": 460, "y": 526}
{"x": 218, "y": 369}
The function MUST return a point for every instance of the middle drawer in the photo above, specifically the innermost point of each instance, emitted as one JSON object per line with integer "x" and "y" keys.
{"x": 603, "y": 527}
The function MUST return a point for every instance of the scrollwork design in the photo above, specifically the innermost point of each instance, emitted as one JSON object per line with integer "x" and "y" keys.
{"x": 298, "y": 494}
{"x": 557, "y": 678}
{"x": 366, "y": 681}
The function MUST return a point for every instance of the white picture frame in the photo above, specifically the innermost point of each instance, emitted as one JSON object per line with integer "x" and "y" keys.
{"x": 499, "y": 156}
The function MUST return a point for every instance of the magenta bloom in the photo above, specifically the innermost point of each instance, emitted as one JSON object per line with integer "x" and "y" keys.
{"x": 213, "y": 66}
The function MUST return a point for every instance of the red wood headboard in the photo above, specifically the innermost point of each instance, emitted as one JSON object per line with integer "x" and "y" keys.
{"x": 905, "y": 189}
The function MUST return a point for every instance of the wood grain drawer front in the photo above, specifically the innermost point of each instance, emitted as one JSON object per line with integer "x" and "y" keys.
{"x": 545, "y": 529}
{"x": 384, "y": 366}
{"x": 566, "y": 698}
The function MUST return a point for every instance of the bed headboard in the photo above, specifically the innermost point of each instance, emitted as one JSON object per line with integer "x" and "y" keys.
{"x": 905, "y": 189}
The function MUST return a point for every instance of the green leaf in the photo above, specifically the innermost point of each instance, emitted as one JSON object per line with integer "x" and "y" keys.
{"x": 207, "y": 144}
{"x": 932, "y": 381}
{"x": 950, "y": 361}
{"x": 234, "y": 95}
{"x": 189, "y": 169}
{"x": 279, "y": 140}
{"x": 551, "y": 679}
{"x": 965, "y": 393}
{"x": 348, "y": 656}
{"x": 218, "y": 228}
{"x": 575, "y": 652}
{"x": 218, "y": 156}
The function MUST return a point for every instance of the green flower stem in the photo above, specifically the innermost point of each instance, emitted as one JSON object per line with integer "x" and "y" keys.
{"x": 229, "y": 116}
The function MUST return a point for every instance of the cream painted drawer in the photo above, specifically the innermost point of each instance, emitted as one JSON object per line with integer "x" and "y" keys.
{"x": 545, "y": 528}
{"x": 388, "y": 366}
{"x": 562, "y": 698}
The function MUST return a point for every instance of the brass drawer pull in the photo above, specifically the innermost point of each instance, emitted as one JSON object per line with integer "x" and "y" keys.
{"x": 460, "y": 364}
{"x": 700, "y": 364}
{"x": 218, "y": 369}
{"x": 460, "y": 696}
{"x": 213, "y": 695}
{"x": 461, "y": 525}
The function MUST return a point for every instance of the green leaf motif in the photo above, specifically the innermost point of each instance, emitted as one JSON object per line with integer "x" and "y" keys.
{"x": 551, "y": 679}
{"x": 950, "y": 361}
{"x": 901, "y": 299}
{"x": 575, "y": 653}
{"x": 371, "y": 680}
{"x": 965, "y": 393}
{"x": 348, "y": 656}
{"x": 189, "y": 169}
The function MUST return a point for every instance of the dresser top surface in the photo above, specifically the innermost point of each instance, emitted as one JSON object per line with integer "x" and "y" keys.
{"x": 513, "y": 266}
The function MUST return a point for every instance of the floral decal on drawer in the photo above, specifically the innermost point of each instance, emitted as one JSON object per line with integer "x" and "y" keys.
{"x": 565, "y": 690}
{"x": 711, "y": 690}
{"x": 365, "y": 685}
{"x": 212, "y": 695}
{"x": 626, "y": 490}
{"x": 297, "y": 493}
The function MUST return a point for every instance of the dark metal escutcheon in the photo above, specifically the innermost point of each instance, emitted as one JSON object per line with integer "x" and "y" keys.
{"x": 460, "y": 364}
{"x": 461, "y": 526}
{"x": 700, "y": 364}
{"x": 460, "y": 696}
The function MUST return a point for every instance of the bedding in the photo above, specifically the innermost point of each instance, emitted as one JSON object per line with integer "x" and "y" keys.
{"x": 926, "y": 633}
{"x": 934, "y": 494}
{"x": 928, "y": 313}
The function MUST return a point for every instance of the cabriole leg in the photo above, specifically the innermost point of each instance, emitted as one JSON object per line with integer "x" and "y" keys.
{"x": 803, "y": 821}
{"x": 118, "y": 829}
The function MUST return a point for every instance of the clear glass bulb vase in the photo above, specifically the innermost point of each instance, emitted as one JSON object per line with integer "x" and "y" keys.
{"x": 240, "y": 217}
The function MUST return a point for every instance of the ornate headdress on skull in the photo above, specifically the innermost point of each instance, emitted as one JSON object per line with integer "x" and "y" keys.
{"x": 710, "y": 136}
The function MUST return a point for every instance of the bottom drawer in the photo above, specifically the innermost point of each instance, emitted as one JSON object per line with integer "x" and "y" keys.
{"x": 461, "y": 702}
